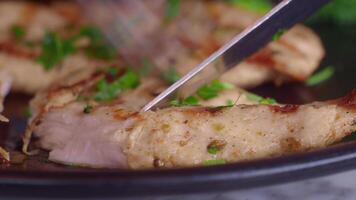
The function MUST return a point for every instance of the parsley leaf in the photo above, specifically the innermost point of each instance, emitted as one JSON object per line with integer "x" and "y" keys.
{"x": 189, "y": 101}
{"x": 18, "y": 32}
{"x": 88, "y": 109}
{"x": 172, "y": 9}
{"x": 267, "y": 101}
{"x": 54, "y": 50}
{"x": 211, "y": 90}
{"x": 93, "y": 33}
{"x": 320, "y": 76}
{"x": 230, "y": 103}
{"x": 261, "y": 100}
{"x": 112, "y": 71}
{"x": 259, "y": 6}
{"x": 213, "y": 150}
{"x": 278, "y": 34}
{"x": 108, "y": 91}
{"x": 98, "y": 47}
{"x": 170, "y": 75}
{"x": 214, "y": 162}
{"x": 339, "y": 12}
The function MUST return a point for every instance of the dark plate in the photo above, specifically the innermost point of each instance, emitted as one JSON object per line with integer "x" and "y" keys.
{"x": 38, "y": 178}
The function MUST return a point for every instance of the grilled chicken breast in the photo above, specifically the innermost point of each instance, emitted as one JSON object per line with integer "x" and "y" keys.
{"x": 115, "y": 134}
{"x": 116, "y": 137}
{"x": 295, "y": 56}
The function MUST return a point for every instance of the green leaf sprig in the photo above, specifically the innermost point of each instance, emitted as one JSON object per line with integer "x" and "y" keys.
{"x": 54, "y": 50}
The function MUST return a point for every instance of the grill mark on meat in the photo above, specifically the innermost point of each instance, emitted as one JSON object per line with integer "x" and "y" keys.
{"x": 122, "y": 114}
{"x": 349, "y": 101}
{"x": 285, "y": 109}
{"x": 70, "y": 12}
{"x": 263, "y": 57}
{"x": 81, "y": 84}
{"x": 212, "y": 111}
{"x": 28, "y": 14}
{"x": 290, "y": 145}
{"x": 14, "y": 50}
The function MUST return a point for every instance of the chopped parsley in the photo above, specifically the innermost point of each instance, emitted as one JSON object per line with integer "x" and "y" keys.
{"x": 211, "y": 90}
{"x": 215, "y": 146}
{"x": 88, "y": 109}
{"x": 230, "y": 103}
{"x": 54, "y": 50}
{"x": 93, "y": 33}
{"x": 320, "y": 76}
{"x": 261, "y": 100}
{"x": 268, "y": 101}
{"x": 172, "y": 9}
{"x": 213, "y": 150}
{"x": 214, "y": 162}
{"x": 98, "y": 47}
{"x": 112, "y": 71}
{"x": 206, "y": 92}
{"x": 278, "y": 34}
{"x": 108, "y": 91}
{"x": 189, "y": 101}
{"x": 100, "y": 51}
{"x": 170, "y": 75}
{"x": 18, "y": 32}
{"x": 259, "y": 6}
{"x": 339, "y": 12}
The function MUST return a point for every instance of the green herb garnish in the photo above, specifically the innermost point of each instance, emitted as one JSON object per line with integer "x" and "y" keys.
{"x": 172, "y": 9}
{"x": 112, "y": 71}
{"x": 88, "y": 109}
{"x": 320, "y": 76}
{"x": 261, "y": 100}
{"x": 230, "y": 103}
{"x": 216, "y": 145}
{"x": 98, "y": 47}
{"x": 100, "y": 51}
{"x": 93, "y": 33}
{"x": 189, "y": 101}
{"x": 259, "y": 6}
{"x": 18, "y": 32}
{"x": 339, "y": 12}
{"x": 108, "y": 91}
{"x": 54, "y": 50}
{"x": 213, "y": 150}
{"x": 267, "y": 101}
{"x": 170, "y": 75}
{"x": 211, "y": 90}
{"x": 214, "y": 162}
{"x": 278, "y": 34}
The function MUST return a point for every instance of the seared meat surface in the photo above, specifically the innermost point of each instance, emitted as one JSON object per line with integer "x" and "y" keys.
{"x": 116, "y": 137}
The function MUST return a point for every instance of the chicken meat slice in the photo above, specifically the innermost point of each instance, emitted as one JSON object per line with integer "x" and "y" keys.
{"x": 36, "y": 18}
{"x": 294, "y": 56}
{"x": 114, "y": 137}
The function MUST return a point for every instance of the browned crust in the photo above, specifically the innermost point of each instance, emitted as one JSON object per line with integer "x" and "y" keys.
{"x": 284, "y": 109}
{"x": 349, "y": 101}
{"x": 9, "y": 47}
{"x": 263, "y": 57}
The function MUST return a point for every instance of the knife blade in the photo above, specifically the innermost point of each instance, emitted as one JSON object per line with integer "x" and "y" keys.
{"x": 284, "y": 15}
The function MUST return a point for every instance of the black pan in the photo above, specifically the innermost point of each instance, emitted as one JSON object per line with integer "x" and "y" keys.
{"x": 38, "y": 178}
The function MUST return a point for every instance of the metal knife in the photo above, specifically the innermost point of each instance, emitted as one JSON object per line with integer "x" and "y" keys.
{"x": 284, "y": 15}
